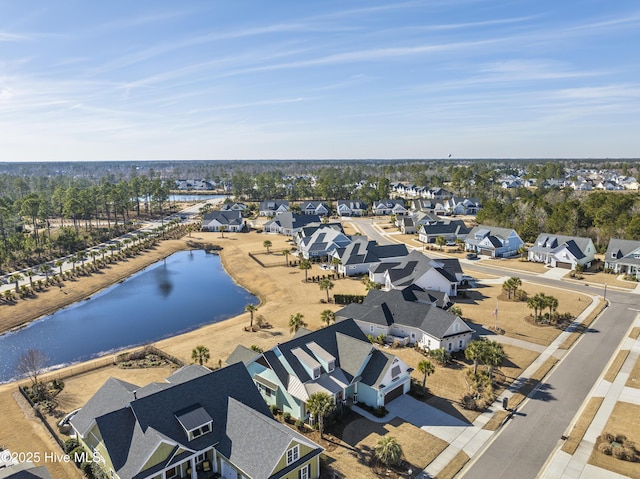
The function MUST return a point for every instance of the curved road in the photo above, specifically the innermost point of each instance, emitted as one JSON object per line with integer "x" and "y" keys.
{"x": 522, "y": 447}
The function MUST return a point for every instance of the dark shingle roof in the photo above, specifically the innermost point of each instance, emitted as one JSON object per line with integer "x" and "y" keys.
{"x": 25, "y": 470}
{"x": 227, "y": 217}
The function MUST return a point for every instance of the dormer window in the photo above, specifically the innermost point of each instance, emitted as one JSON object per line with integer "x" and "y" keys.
{"x": 293, "y": 454}
{"x": 316, "y": 373}
{"x": 195, "y": 421}
{"x": 331, "y": 366}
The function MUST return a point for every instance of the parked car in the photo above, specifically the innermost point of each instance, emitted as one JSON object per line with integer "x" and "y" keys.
{"x": 472, "y": 255}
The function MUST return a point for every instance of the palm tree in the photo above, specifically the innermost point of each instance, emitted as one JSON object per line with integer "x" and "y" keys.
{"x": 286, "y": 253}
{"x": 251, "y": 308}
{"x": 427, "y": 368}
{"x": 222, "y": 229}
{"x": 256, "y": 348}
{"x": 326, "y": 284}
{"x": 82, "y": 257}
{"x": 305, "y": 265}
{"x": 320, "y": 404}
{"x": 16, "y": 278}
{"x": 94, "y": 254}
{"x": 515, "y": 284}
{"x": 58, "y": 264}
{"x": 440, "y": 355}
{"x": 537, "y": 303}
{"x": 441, "y": 241}
{"x": 267, "y": 244}
{"x": 493, "y": 356}
{"x": 474, "y": 352}
{"x": 200, "y": 354}
{"x": 552, "y": 304}
{"x": 388, "y": 450}
{"x": 30, "y": 274}
{"x": 296, "y": 321}
{"x": 46, "y": 270}
{"x": 457, "y": 310}
{"x": 328, "y": 316}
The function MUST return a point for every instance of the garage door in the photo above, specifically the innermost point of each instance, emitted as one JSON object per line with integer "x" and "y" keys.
{"x": 486, "y": 252}
{"x": 228, "y": 472}
{"x": 560, "y": 264}
{"x": 394, "y": 393}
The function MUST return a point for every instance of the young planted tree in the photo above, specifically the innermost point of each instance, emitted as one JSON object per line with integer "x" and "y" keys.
{"x": 16, "y": 278}
{"x": 222, "y": 229}
{"x": 200, "y": 354}
{"x": 326, "y": 285}
{"x": 388, "y": 451}
{"x": 267, "y": 244}
{"x": 493, "y": 356}
{"x": 296, "y": 321}
{"x": 46, "y": 269}
{"x": 305, "y": 265}
{"x": 286, "y": 252}
{"x": 537, "y": 303}
{"x": 457, "y": 310}
{"x": 441, "y": 241}
{"x": 251, "y": 308}
{"x": 328, "y": 316}
{"x": 441, "y": 356}
{"x": 256, "y": 348}
{"x": 31, "y": 363}
{"x": 475, "y": 352}
{"x": 320, "y": 404}
{"x": 427, "y": 368}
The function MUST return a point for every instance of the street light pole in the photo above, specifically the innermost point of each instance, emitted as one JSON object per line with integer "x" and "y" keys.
{"x": 605, "y": 292}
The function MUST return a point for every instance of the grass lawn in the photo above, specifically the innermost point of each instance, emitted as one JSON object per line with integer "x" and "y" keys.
{"x": 481, "y": 302}
{"x": 635, "y": 332}
{"x": 634, "y": 376}
{"x": 581, "y": 426}
{"x": 447, "y": 385}
{"x": 454, "y": 466}
{"x": 623, "y": 420}
{"x": 609, "y": 279}
{"x": 521, "y": 265}
{"x": 617, "y": 363}
{"x": 350, "y": 445}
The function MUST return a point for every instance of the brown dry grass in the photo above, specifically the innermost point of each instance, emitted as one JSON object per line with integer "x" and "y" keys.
{"x": 519, "y": 265}
{"x": 532, "y": 382}
{"x": 496, "y": 420}
{"x": 623, "y": 420}
{"x": 454, "y": 466}
{"x": 479, "y": 306}
{"x": 633, "y": 381}
{"x": 635, "y": 332}
{"x": 573, "y": 337}
{"x": 617, "y": 363}
{"x": 350, "y": 449}
{"x": 447, "y": 385}
{"x": 581, "y": 426}
{"x": 608, "y": 279}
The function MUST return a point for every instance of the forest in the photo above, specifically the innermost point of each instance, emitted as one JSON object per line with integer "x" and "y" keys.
{"x": 54, "y": 209}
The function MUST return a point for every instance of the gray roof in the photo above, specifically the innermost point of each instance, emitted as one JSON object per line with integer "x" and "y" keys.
{"x": 272, "y": 205}
{"x": 621, "y": 251}
{"x": 242, "y": 355}
{"x": 547, "y": 243}
{"x": 456, "y": 227}
{"x": 227, "y": 217}
{"x": 187, "y": 373}
{"x": 25, "y": 470}
{"x": 376, "y": 368}
{"x": 132, "y": 427}
{"x": 392, "y": 307}
{"x": 353, "y": 204}
{"x": 291, "y": 221}
{"x": 363, "y": 251}
{"x": 416, "y": 264}
{"x": 484, "y": 230}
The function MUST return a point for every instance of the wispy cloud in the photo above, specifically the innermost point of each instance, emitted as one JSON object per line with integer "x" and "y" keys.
{"x": 14, "y": 37}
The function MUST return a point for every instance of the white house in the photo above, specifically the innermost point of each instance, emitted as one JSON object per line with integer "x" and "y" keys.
{"x": 562, "y": 251}
{"x": 222, "y": 220}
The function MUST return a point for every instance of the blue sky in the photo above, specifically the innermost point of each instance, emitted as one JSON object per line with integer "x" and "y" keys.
{"x": 226, "y": 79}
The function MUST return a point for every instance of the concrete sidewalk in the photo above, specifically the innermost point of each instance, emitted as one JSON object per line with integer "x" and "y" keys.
{"x": 565, "y": 466}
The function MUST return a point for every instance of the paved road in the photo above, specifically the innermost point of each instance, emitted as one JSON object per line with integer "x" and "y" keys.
{"x": 524, "y": 444}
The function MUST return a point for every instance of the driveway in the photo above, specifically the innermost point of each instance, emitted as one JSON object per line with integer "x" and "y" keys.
{"x": 426, "y": 417}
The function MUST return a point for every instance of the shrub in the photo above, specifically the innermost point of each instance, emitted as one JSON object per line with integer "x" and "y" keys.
{"x": 299, "y": 424}
{"x": 605, "y": 448}
{"x": 380, "y": 411}
{"x": 274, "y": 409}
{"x": 286, "y": 416}
{"x": 58, "y": 384}
{"x": 620, "y": 453}
{"x": 70, "y": 444}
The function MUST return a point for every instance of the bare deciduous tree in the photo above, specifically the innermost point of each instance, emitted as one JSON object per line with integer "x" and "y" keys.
{"x": 31, "y": 363}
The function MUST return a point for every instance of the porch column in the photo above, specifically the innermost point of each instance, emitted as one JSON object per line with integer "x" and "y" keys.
{"x": 355, "y": 393}
{"x": 192, "y": 465}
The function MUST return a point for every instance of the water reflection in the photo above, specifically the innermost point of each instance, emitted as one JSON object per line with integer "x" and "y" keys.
{"x": 188, "y": 290}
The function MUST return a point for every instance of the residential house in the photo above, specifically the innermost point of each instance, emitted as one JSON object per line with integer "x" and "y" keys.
{"x": 202, "y": 185}
{"x": 389, "y": 207}
{"x": 288, "y": 223}
{"x": 273, "y": 207}
{"x": 222, "y": 220}
{"x": 194, "y": 423}
{"x": 562, "y": 251}
{"x": 442, "y": 275}
{"x": 319, "y": 208}
{"x": 437, "y": 194}
{"x": 362, "y": 254}
{"x": 22, "y": 470}
{"x": 493, "y": 241}
{"x": 405, "y": 316}
{"x": 233, "y": 207}
{"x": 451, "y": 230}
{"x": 461, "y": 206}
{"x": 323, "y": 241}
{"x": 351, "y": 208}
{"x": 337, "y": 360}
{"x": 623, "y": 257}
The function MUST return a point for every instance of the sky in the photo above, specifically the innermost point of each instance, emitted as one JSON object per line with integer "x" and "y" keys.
{"x": 342, "y": 79}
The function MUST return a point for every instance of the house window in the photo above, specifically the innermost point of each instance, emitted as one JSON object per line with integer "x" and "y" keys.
{"x": 305, "y": 472}
{"x": 293, "y": 454}
{"x": 173, "y": 472}
{"x": 316, "y": 373}
{"x": 331, "y": 365}
{"x": 460, "y": 344}
{"x": 449, "y": 346}
{"x": 200, "y": 457}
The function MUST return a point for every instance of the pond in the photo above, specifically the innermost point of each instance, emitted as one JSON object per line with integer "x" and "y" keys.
{"x": 187, "y": 290}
